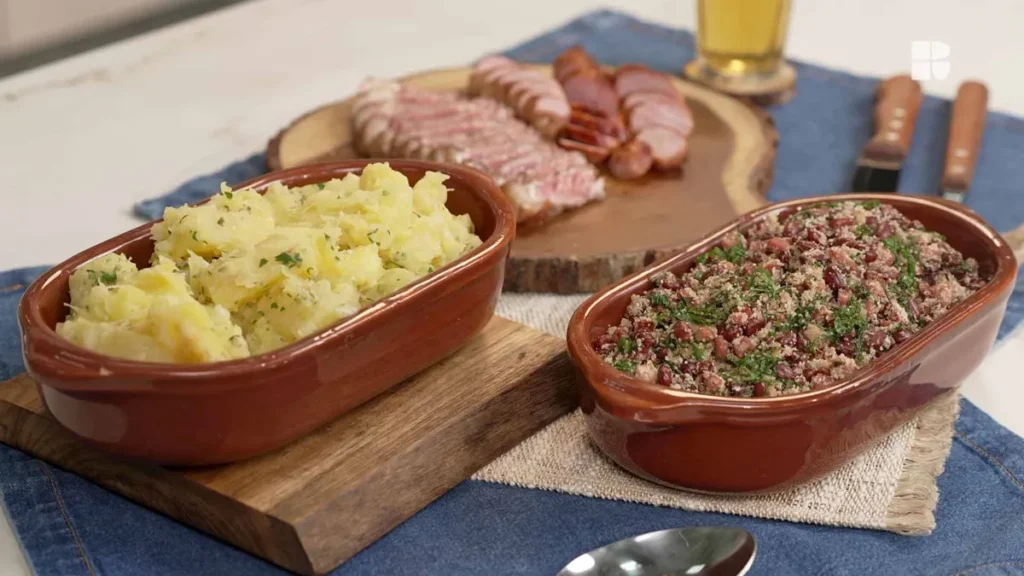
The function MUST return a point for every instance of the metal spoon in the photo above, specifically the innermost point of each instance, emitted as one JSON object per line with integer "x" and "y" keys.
{"x": 710, "y": 551}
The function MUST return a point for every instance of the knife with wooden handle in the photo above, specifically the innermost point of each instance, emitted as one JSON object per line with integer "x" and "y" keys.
{"x": 965, "y": 130}
{"x": 896, "y": 106}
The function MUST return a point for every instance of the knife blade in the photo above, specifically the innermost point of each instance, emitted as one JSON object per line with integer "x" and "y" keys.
{"x": 966, "y": 127}
{"x": 897, "y": 103}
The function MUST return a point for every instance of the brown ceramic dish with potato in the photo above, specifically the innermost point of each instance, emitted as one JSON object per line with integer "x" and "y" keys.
{"x": 733, "y": 444}
{"x": 214, "y": 413}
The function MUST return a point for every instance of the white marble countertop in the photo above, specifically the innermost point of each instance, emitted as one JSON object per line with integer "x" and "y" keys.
{"x": 82, "y": 139}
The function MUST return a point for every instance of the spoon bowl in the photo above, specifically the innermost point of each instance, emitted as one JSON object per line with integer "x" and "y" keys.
{"x": 707, "y": 551}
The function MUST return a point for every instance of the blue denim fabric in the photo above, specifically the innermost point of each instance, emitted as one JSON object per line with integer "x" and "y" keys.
{"x": 69, "y": 526}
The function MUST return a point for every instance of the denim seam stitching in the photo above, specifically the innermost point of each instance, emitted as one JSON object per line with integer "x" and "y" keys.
{"x": 989, "y": 565}
{"x": 991, "y": 458}
{"x": 67, "y": 518}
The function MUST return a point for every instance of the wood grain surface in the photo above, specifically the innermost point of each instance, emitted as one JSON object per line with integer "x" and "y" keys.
{"x": 315, "y": 503}
{"x": 732, "y": 151}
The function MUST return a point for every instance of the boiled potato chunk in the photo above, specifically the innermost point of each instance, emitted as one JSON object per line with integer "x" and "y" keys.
{"x": 246, "y": 273}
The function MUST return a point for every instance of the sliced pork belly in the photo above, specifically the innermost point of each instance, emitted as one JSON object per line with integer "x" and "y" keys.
{"x": 540, "y": 178}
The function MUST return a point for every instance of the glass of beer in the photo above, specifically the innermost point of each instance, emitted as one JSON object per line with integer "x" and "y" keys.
{"x": 740, "y": 45}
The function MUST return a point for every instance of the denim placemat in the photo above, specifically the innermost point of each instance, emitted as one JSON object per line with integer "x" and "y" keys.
{"x": 69, "y": 526}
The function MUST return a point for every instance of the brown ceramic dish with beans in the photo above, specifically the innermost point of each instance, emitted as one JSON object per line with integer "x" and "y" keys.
{"x": 195, "y": 414}
{"x": 786, "y": 343}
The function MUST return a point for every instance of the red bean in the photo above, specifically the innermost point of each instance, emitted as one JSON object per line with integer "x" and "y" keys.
{"x": 754, "y": 326}
{"x": 732, "y": 332}
{"x": 874, "y": 339}
{"x": 840, "y": 221}
{"x": 683, "y": 331}
{"x": 846, "y": 346}
{"x": 901, "y": 335}
{"x": 791, "y": 229}
{"x": 645, "y": 342}
{"x": 660, "y": 353}
{"x": 817, "y": 236}
{"x": 664, "y": 375}
{"x": 758, "y": 389}
{"x": 834, "y": 278}
{"x": 785, "y": 371}
{"x": 689, "y": 367}
{"x": 706, "y": 366}
{"x": 643, "y": 325}
{"x": 870, "y": 256}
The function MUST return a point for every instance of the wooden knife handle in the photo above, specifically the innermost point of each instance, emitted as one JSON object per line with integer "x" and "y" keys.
{"x": 896, "y": 106}
{"x": 965, "y": 130}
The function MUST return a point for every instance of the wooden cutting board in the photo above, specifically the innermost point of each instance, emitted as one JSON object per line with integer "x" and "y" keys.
{"x": 317, "y": 502}
{"x": 732, "y": 151}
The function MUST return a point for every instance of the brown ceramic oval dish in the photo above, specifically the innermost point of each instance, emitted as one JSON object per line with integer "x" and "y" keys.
{"x": 721, "y": 444}
{"x": 224, "y": 411}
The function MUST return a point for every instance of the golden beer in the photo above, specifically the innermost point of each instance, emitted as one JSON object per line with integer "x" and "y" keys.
{"x": 740, "y": 41}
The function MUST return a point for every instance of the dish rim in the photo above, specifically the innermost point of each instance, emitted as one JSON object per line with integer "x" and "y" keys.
{"x": 648, "y": 396}
{"x": 83, "y": 365}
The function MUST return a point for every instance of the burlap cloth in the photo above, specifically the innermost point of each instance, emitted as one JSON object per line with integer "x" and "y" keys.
{"x": 890, "y": 487}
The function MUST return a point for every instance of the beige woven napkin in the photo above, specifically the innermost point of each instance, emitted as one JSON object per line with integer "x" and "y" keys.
{"x": 890, "y": 487}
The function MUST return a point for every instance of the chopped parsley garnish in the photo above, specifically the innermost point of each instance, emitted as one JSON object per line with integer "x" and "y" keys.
{"x": 625, "y": 345}
{"x": 220, "y": 221}
{"x": 263, "y": 262}
{"x": 871, "y": 204}
{"x": 715, "y": 311}
{"x": 849, "y": 319}
{"x": 863, "y": 231}
{"x": 274, "y": 306}
{"x": 321, "y": 186}
{"x": 288, "y": 259}
{"x": 625, "y": 366}
{"x": 699, "y": 350}
{"x": 229, "y": 195}
{"x": 801, "y": 317}
{"x": 660, "y": 299}
{"x": 762, "y": 283}
{"x": 734, "y": 254}
{"x": 905, "y": 251}
{"x": 756, "y": 366}
{"x": 195, "y": 235}
{"x": 108, "y": 278}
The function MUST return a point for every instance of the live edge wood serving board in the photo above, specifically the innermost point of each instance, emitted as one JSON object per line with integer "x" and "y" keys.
{"x": 317, "y": 502}
{"x": 732, "y": 151}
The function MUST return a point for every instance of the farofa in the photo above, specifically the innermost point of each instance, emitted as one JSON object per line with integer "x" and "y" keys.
{"x": 795, "y": 303}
